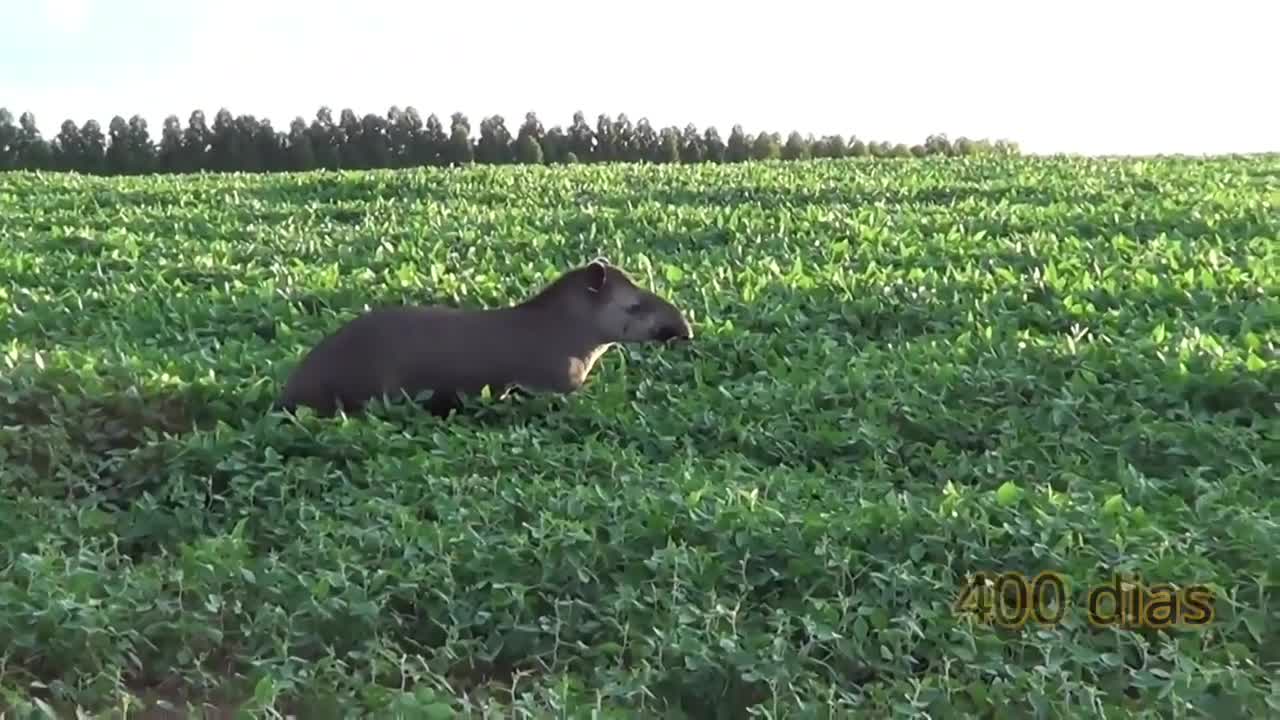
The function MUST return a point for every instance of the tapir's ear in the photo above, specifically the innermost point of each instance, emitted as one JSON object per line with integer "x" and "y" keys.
{"x": 597, "y": 271}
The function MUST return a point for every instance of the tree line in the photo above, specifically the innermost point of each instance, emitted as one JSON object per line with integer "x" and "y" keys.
{"x": 402, "y": 138}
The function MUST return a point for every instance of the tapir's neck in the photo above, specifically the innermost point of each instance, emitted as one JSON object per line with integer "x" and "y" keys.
{"x": 582, "y": 363}
{"x": 555, "y": 330}
{"x": 557, "y": 347}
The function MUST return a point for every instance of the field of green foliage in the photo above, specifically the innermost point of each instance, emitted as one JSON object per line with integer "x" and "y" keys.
{"x": 904, "y": 373}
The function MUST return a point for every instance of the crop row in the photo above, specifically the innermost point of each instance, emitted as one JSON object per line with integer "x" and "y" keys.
{"x": 902, "y": 375}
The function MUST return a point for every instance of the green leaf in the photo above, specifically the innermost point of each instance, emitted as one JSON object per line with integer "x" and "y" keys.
{"x": 1114, "y": 505}
{"x": 264, "y": 691}
{"x": 1008, "y": 494}
{"x": 438, "y": 711}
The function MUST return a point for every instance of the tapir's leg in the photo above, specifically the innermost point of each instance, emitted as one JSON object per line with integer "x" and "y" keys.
{"x": 442, "y": 401}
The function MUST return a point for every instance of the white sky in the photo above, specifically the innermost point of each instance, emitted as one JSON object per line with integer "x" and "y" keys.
{"x": 1124, "y": 76}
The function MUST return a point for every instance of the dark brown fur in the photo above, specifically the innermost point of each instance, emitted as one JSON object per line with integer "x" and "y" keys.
{"x": 548, "y": 343}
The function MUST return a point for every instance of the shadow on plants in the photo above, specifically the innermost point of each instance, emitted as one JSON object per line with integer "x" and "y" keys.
{"x": 88, "y": 437}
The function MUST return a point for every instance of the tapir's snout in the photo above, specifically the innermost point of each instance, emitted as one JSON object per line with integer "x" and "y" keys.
{"x": 677, "y": 329}
{"x": 661, "y": 320}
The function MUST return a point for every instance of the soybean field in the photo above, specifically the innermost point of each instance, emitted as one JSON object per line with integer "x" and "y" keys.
{"x": 955, "y": 437}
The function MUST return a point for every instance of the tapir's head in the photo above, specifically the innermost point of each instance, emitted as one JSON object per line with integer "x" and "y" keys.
{"x": 606, "y": 302}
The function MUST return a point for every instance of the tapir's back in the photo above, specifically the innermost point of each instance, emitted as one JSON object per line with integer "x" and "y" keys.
{"x": 449, "y": 348}
{"x": 406, "y": 348}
